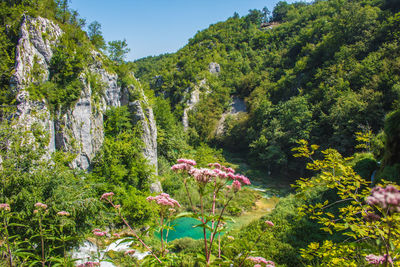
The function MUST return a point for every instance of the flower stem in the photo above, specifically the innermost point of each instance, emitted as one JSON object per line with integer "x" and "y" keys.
{"x": 42, "y": 240}
{"x": 248, "y": 251}
{"x": 162, "y": 238}
{"x": 204, "y": 230}
{"x": 219, "y": 220}
{"x": 133, "y": 232}
{"x": 10, "y": 260}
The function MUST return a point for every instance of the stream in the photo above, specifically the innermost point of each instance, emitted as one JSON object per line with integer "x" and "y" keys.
{"x": 269, "y": 189}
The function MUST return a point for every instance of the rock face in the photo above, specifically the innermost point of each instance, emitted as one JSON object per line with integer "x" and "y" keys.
{"x": 142, "y": 113}
{"x": 78, "y": 129}
{"x": 194, "y": 99}
{"x": 214, "y": 68}
{"x": 34, "y": 49}
{"x": 144, "y": 116}
{"x": 236, "y": 107}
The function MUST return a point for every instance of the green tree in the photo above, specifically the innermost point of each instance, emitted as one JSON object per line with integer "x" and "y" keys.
{"x": 95, "y": 35}
{"x": 117, "y": 50}
{"x": 63, "y": 11}
{"x": 266, "y": 14}
{"x": 280, "y": 11}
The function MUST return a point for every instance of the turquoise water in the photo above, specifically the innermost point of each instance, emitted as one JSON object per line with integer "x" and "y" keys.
{"x": 183, "y": 227}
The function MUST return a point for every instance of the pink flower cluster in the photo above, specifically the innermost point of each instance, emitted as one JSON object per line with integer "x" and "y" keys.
{"x": 41, "y": 205}
{"x": 164, "y": 200}
{"x": 181, "y": 167}
{"x": 243, "y": 179}
{"x": 203, "y": 175}
{"x": 5, "y": 206}
{"x": 107, "y": 196}
{"x": 377, "y": 260}
{"x": 386, "y": 198}
{"x": 184, "y": 165}
{"x": 215, "y": 165}
{"x": 370, "y": 216}
{"x": 236, "y": 185}
{"x": 187, "y": 161}
{"x": 259, "y": 260}
{"x": 269, "y": 223}
{"x": 63, "y": 213}
{"x": 98, "y": 232}
{"x": 220, "y": 174}
{"x": 130, "y": 252}
{"x": 228, "y": 170}
{"x": 89, "y": 264}
{"x": 117, "y": 235}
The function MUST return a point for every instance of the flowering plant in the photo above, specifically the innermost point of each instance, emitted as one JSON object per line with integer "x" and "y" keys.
{"x": 168, "y": 207}
{"x": 210, "y": 182}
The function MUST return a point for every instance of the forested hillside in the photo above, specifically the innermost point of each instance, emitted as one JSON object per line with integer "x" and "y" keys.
{"x": 323, "y": 72}
{"x": 101, "y": 160}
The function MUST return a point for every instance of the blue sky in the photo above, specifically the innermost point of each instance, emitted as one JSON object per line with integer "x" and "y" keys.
{"x": 153, "y": 27}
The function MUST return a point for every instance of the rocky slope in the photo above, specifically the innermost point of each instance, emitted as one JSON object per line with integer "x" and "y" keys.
{"x": 78, "y": 129}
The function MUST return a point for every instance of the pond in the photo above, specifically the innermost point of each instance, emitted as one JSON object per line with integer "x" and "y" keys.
{"x": 269, "y": 188}
{"x": 184, "y": 227}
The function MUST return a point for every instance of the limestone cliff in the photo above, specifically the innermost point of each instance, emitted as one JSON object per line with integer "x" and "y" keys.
{"x": 79, "y": 128}
{"x": 200, "y": 88}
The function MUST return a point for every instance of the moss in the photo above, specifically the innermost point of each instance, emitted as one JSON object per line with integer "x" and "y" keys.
{"x": 38, "y": 72}
{"x": 45, "y": 35}
{"x": 97, "y": 86}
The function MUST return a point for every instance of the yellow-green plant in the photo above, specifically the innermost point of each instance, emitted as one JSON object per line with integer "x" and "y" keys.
{"x": 369, "y": 220}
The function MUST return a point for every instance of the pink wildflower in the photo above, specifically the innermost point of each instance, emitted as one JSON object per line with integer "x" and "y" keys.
{"x": 220, "y": 174}
{"x": 228, "y": 170}
{"x": 35, "y": 211}
{"x": 187, "y": 161}
{"x": 98, "y": 232}
{"x": 215, "y": 165}
{"x": 257, "y": 265}
{"x": 242, "y": 179}
{"x": 41, "y": 205}
{"x": 181, "y": 167}
{"x": 373, "y": 259}
{"x": 269, "y": 223}
{"x": 5, "y": 206}
{"x": 386, "y": 198}
{"x": 260, "y": 260}
{"x": 370, "y": 216}
{"x": 89, "y": 264}
{"x": 107, "y": 196}
{"x": 236, "y": 185}
{"x": 117, "y": 235}
{"x": 164, "y": 199}
{"x": 63, "y": 213}
{"x": 231, "y": 176}
{"x": 130, "y": 252}
{"x": 202, "y": 175}
{"x": 117, "y": 207}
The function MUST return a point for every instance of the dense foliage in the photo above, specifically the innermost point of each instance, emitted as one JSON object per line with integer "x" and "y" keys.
{"x": 327, "y": 71}
{"x": 323, "y": 72}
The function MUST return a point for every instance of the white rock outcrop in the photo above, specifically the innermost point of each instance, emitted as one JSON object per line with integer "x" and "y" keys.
{"x": 77, "y": 129}
{"x": 193, "y": 100}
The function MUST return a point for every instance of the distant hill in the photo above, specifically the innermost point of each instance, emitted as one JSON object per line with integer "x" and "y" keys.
{"x": 328, "y": 70}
